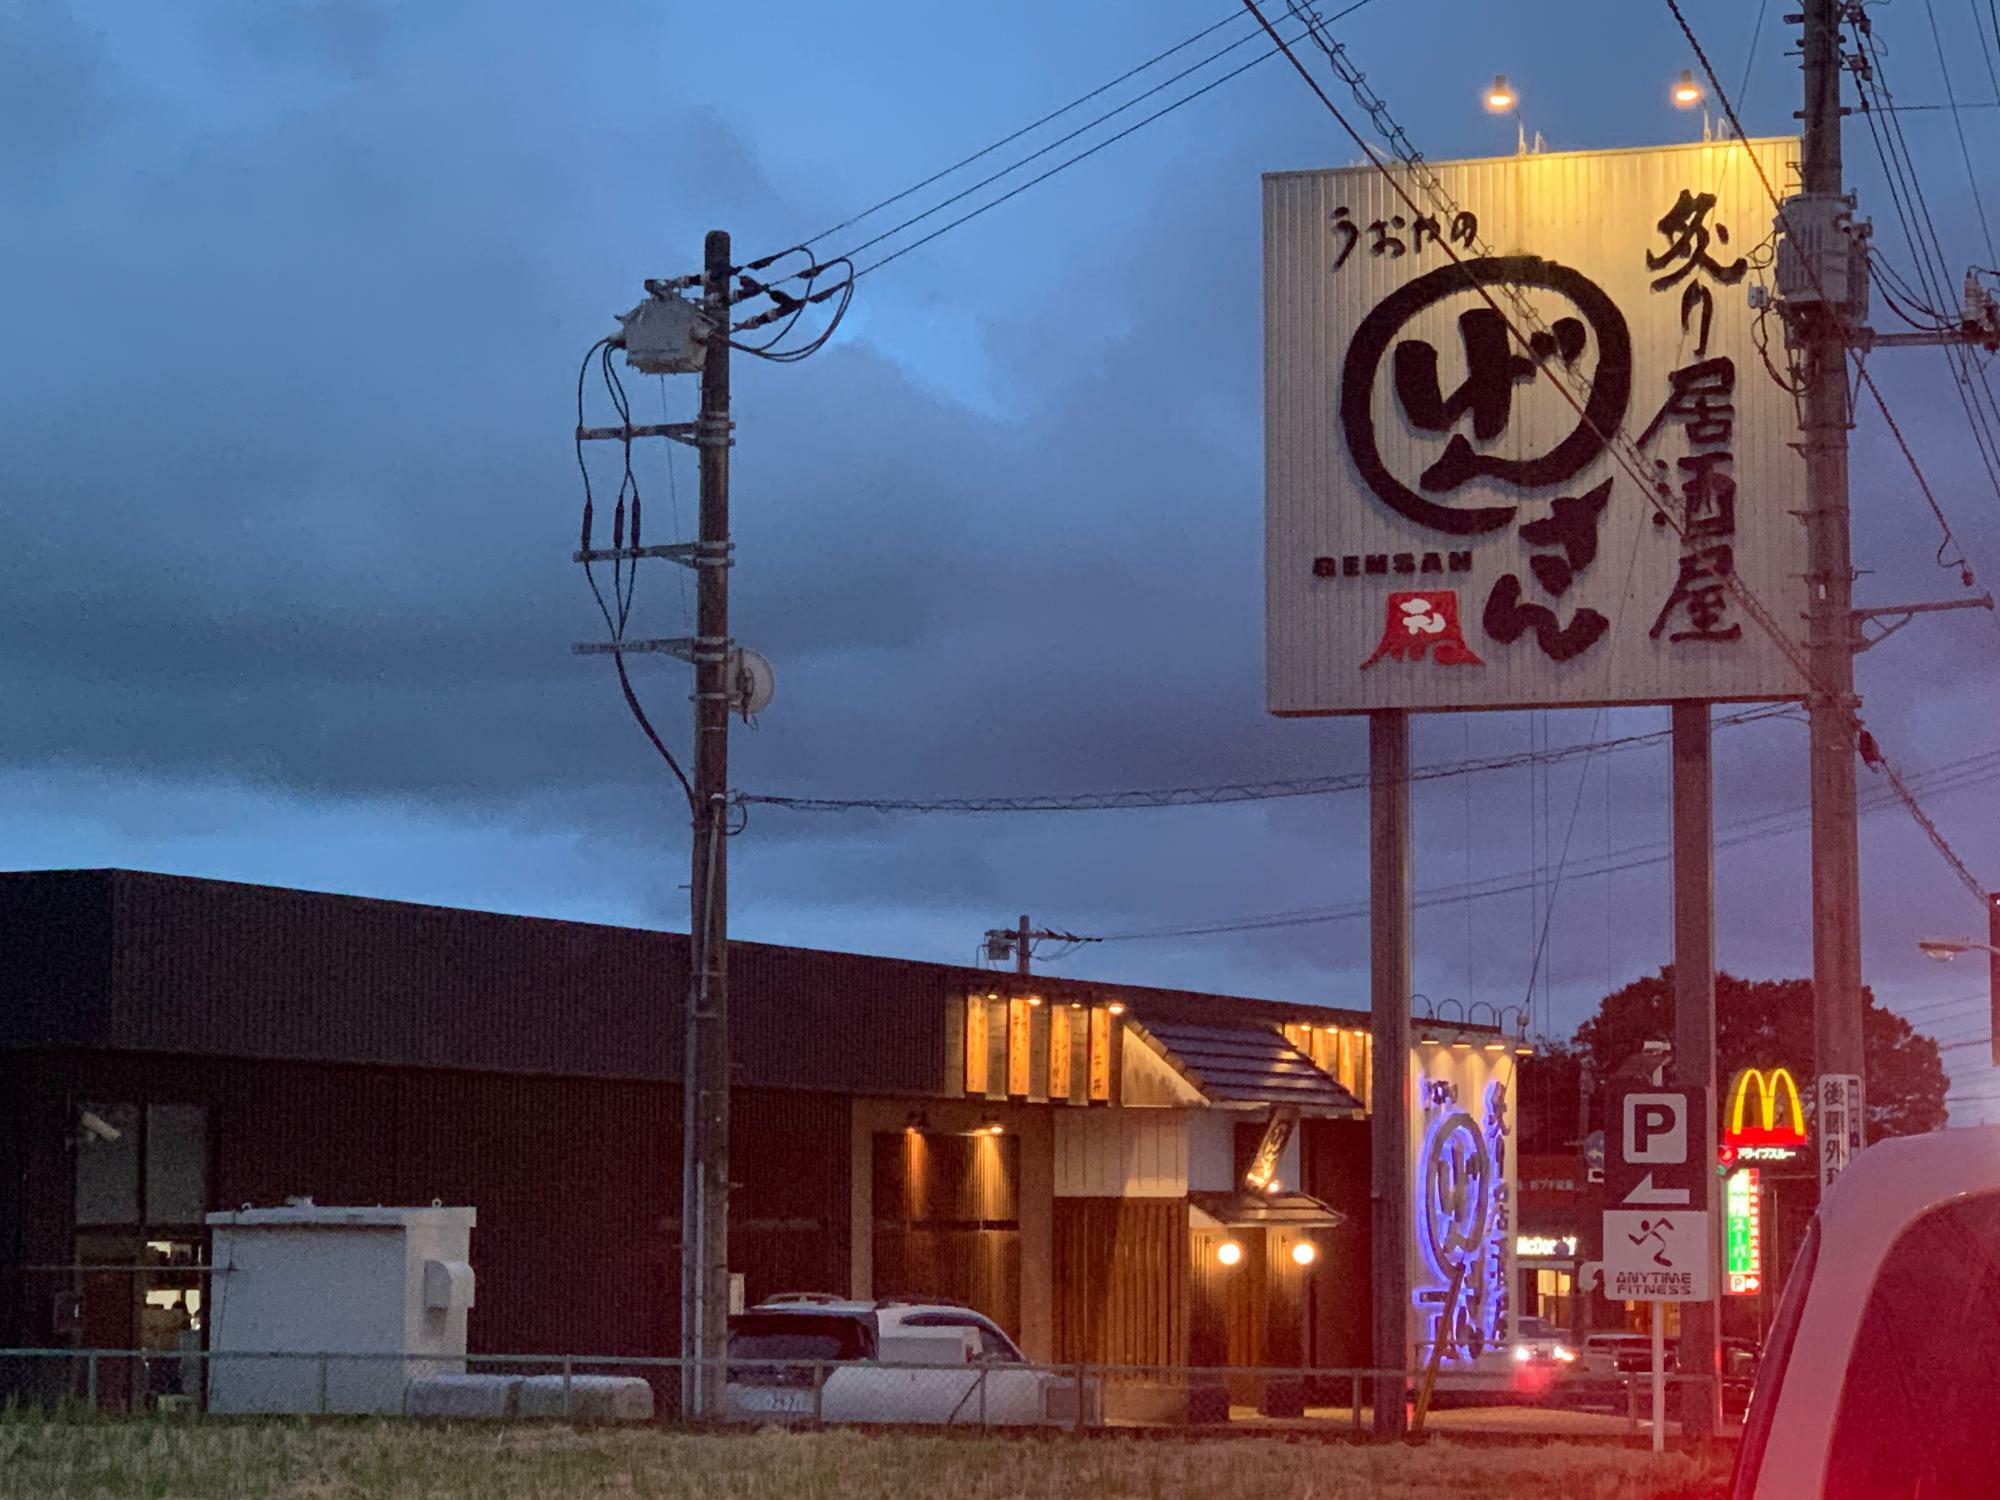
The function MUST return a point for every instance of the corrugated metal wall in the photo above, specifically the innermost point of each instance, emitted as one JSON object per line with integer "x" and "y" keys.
{"x": 577, "y": 1181}
{"x": 55, "y": 953}
{"x": 112, "y": 959}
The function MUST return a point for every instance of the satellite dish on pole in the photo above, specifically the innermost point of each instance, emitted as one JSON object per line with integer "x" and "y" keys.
{"x": 751, "y": 682}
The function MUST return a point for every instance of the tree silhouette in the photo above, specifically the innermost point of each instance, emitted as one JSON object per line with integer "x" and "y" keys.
{"x": 1759, "y": 1023}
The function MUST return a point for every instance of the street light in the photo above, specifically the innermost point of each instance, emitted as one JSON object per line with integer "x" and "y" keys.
{"x": 1502, "y": 100}
{"x": 1944, "y": 949}
{"x": 1686, "y": 94}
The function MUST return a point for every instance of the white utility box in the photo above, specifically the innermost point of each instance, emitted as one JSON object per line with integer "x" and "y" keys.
{"x": 299, "y": 1286}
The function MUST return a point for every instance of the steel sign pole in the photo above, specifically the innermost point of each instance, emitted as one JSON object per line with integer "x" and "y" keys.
{"x": 1825, "y": 419}
{"x": 1993, "y": 969}
{"x": 1389, "y": 980}
{"x": 1694, "y": 1027}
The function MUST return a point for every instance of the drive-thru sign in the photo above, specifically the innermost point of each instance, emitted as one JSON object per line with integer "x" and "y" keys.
{"x": 1658, "y": 1228}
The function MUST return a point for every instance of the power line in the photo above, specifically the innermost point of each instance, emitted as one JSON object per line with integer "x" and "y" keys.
{"x": 1050, "y": 117}
{"x": 1029, "y": 129}
{"x": 1958, "y": 119}
{"x": 1933, "y": 269}
{"x": 1061, "y": 166}
{"x": 1241, "y": 791}
{"x": 1949, "y": 777}
{"x": 1864, "y": 742}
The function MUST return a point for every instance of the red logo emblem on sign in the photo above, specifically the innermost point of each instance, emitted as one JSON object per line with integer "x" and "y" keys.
{"x": 1424, "y": 623}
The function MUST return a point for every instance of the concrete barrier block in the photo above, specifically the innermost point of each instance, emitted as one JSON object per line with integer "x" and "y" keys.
{"x": 592, "y": 1398}
{"x": 484, "y": 1397}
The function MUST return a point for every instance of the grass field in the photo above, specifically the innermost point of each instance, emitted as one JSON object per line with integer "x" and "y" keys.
{"x": 347, "y": 1460}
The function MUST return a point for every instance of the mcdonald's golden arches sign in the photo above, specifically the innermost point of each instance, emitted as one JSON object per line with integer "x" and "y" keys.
{"x": 1763, "y": 1110}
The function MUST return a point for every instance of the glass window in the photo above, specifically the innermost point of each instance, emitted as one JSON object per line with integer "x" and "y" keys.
{"x": 997, "y": 1348}
{"x": 789, "y": 1336}
{"x": 176, "y": 1163}
{"x": 1914, "y": 1420}
{"x": 107, "y": 1164}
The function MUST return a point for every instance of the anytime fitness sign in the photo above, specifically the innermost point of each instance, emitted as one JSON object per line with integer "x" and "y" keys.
{"x": 1443, "y": 528}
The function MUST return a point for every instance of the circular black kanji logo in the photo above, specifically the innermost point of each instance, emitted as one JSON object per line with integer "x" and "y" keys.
{"x": 1494, "y": 365}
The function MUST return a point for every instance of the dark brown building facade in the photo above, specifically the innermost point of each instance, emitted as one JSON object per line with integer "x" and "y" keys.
{"x": 1068, "y": 1157}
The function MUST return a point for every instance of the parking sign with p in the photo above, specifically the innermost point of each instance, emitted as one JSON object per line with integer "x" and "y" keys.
{"x": 1657, "y": 1240}
{"x": 1656, "y": 1128}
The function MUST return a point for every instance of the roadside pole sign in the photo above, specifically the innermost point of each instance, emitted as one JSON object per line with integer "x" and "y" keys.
{"x": 1658, "y": 1222}
{"x": 1840, "y": 1117}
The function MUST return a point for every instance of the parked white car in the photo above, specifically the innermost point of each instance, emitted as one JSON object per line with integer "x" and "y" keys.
{"x": 799, "y": 1358}
{"x": 1878, "y": 1375}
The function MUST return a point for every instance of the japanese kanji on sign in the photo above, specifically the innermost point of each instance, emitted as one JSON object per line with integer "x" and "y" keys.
{"x": 1452, "y": 516}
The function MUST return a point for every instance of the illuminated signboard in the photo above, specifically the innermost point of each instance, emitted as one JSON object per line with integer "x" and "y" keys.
{"x": 976, "y": 1044}
{"x": 1100, "y": 1054}
{"x": 1743, "y": 1222}
{"x": 1020, "y": 1050}
{"x": 1464, "y": 1211}
{"x": 1763, "y": 1119}
{"x": 1060, "y": 1025}
{"x": 1544, "y": 1247}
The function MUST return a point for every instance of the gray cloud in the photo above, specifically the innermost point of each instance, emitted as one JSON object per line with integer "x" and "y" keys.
{"x": 289, "y": 501}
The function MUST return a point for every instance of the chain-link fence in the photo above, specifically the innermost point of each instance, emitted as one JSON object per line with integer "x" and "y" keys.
{"x": 988, "y": 1394}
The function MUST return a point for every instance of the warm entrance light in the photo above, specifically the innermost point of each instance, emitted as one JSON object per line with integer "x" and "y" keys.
{"x": 1229, "y": 1252}
{"x": 1687, "y": 93}
{"x": 1304, "y": 1253}
{"x": 1500, "y": 98}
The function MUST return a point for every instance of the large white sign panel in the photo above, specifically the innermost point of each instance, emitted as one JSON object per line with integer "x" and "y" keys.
{"x": 1443, "y": 529}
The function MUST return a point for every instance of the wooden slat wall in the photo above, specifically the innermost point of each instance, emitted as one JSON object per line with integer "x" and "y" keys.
{"x": 947, "y": 1220}
{"x": 1121, "y": 1280}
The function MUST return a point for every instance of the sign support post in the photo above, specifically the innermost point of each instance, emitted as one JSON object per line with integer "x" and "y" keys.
{"x": 1389, "y": 980}
{"x": 1660, "y": 1376}
{"x": 1694, "y": 1027}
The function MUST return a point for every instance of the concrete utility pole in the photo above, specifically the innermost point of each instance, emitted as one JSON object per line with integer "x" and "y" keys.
{"x": 705, "y": 1061}
{"x": 1018, "y": 942}
{"x": 1389, "y": 981}
{"x": 1820, "y": 328}
{"x": 1823, "y": 283}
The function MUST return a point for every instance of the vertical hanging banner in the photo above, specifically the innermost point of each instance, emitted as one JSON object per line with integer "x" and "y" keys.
{"x": 1448, "y": 524}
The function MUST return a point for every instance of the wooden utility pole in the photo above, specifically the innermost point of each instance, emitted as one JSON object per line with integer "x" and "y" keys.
{"x": 1389, "y": 980}
{"x": 705, "y": 1061}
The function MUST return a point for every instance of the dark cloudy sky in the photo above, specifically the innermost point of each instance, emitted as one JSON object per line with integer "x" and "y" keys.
{"x": 296, "y": 295}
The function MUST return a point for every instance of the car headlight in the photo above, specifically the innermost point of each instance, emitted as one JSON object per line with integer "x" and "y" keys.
{"x": 1523, "y": 1353}
{"x": 1565, "y": 1356}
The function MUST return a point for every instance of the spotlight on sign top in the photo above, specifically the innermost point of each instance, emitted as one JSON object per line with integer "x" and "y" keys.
{"x": 1500, "y": 97}
{"x": 1303, "y": 1253}
{"x": 1229, "y": 1252}
{"x": 1687, "y": 93}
